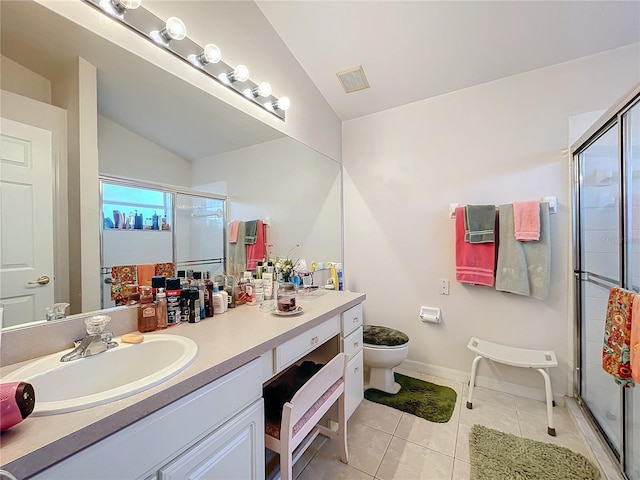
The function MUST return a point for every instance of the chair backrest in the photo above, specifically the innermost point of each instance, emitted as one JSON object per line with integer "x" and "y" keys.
{"x": 314, "y": 388}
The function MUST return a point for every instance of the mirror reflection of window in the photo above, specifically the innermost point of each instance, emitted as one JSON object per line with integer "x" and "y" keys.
{"x": 135, "y": 208}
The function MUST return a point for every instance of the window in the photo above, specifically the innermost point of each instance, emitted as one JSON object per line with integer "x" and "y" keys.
{"x": 135, "y": 208}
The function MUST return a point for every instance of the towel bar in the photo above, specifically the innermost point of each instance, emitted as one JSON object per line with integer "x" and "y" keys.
{"x": 552, "y": 201}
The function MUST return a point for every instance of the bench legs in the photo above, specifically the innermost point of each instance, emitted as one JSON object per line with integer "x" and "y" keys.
{"x": 549, "y": 399}
{"x": 547, "y": 390}
{"x": 472, "y": 381}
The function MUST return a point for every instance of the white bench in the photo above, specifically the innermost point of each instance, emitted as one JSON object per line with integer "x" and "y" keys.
{"x": 541, "y": 360}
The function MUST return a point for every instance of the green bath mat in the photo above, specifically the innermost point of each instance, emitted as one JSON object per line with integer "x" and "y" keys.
{"x": 500, "y": 455}
{"x": 417, "y": 397}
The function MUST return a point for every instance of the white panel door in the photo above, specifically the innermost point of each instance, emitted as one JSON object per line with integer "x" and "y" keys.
{"x": 26, "y": 221}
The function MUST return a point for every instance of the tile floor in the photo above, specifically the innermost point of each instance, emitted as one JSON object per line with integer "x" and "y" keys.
{"x": 387, "y": 444}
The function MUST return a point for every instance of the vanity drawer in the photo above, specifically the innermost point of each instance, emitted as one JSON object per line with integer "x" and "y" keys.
{"x": 297, "y": 347}
{"x": 351, "y": 319}
{"x": 353, "y": 343}
{"x": 353, "y": 384}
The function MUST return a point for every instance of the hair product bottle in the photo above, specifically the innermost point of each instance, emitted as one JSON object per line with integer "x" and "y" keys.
{"x": 147, "y": 321}
{"x": 161, "y": 313}
{"x": 173, "y": 301}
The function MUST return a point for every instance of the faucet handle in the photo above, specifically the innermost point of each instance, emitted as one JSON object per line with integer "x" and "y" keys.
{"x": 95, "y": 324}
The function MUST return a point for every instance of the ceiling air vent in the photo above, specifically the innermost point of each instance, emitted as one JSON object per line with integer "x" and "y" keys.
{"x": 353, "y": 79}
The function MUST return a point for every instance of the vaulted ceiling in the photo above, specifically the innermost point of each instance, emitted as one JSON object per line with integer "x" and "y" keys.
{"x": 412, "y": 50}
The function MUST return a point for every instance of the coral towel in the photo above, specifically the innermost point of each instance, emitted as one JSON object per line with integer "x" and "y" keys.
{"x": 233, "y": 231}
{"x": 635, "y": 339}
{"x": 475, "y": 262}
{"x": 526, "y": 221}
{"x": 617, "y": 336}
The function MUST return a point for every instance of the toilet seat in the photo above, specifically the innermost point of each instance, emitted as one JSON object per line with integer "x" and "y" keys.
{"x": 384, "y": 347}
{"x": 376, "y": 336}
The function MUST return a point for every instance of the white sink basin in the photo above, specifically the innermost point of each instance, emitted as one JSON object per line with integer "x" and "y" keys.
{"x": 105, "y": 377}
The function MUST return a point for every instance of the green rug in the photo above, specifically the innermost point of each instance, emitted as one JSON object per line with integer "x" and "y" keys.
{"x": 499, "y": 455}
{"x": 422, "y": 399}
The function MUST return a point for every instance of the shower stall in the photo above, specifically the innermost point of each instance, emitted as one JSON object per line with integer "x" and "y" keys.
{"x": 606, "y": 165}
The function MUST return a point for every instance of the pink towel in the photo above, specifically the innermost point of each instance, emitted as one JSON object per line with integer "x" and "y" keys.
{"x": 257, "y": 251}
{"x": 526, "y": 220}
{"x": 475, "y": 262}
{"x": 233, "y": 231}
{"x": 635, "y": 339}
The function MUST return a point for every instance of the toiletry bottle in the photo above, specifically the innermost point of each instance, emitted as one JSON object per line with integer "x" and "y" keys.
{"x": 173, "y": 301}
{"x": 217, "y": 301}
{"x": 157, "y": 281}
{"x": 194, "y": 305}
{"x": 340, "y": 277}
{"x": 230, "y": 288}
{"x": 225, "y": 296}
{"x": 208, "y": 295}
{"x": 259, "y": 271}
{"x": 147, "y": 312}
{"x": 134, "y": 294}
{"x": 267, "y": 282}
{"x": 334, "y": 275}
{"x": 199, "y": 284}
{"x": 161, "y": 313}
{"x": 185, "y": 308}
{"x": 154, "y": 222}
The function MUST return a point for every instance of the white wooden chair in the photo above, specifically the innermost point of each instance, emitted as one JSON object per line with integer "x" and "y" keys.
{"x": 301, "y": 415}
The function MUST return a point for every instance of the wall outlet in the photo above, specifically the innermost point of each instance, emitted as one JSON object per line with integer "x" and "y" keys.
{"x": 444, "y": 287}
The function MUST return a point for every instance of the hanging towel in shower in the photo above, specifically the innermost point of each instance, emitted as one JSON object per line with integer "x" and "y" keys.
{"x": 237, "y": 253}
{"x": 250, "y": 232}
{"x": 257, "y": 250}
{"x": 145, "y": 272}
{"x": 122, "y": 276}
{"x": 233, "y": 231}
{"x": 635, "y": 339}
{"x": 165, "y": 269}
{"x": 524, "y": 268}
{"x": 526, "y": 221}
{"x": 475, "y": 262}
{"x": 617, "y": 336}
{"x": 480, "y": 223}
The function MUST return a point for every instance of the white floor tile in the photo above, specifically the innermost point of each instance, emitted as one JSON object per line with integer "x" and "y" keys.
{"x": 461, "y": 470}
{"x": 405, "y": 460}
{"x": 377, "y": 416}
{"x": 440, "y": 437}
{"x": 366, "y": 446}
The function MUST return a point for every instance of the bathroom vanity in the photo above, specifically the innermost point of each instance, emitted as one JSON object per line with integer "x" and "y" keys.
{"x": 207, "y": 421}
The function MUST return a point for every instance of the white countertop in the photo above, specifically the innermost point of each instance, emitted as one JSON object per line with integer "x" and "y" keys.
{"x": 225, "y": 342}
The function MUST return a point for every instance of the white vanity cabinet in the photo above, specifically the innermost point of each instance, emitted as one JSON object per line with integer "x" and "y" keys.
{"x": 352, "y": 346}
{"x": 215, "y": 432}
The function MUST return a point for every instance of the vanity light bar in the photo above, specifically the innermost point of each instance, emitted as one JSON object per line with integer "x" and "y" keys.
{"x": 172, "y": 36}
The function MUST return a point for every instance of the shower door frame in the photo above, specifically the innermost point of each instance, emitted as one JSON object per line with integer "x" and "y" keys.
{"x": 612, "y": 118}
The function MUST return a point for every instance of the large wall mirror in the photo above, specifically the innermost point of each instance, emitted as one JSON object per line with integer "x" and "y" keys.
{"x": 154, "y": 128}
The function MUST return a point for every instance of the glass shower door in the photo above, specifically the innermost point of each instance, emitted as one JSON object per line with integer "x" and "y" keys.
{"x": 599, "y": 271}
{"x": 631, "y": 154}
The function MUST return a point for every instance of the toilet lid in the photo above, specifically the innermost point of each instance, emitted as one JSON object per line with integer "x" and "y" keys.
{"x": 383, "y": 336}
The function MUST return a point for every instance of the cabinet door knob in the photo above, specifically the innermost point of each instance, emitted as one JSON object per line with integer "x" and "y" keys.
{"x": 356, "y": 370}
{"x": 356, "y": 344}
{"x": 356, "y": 319}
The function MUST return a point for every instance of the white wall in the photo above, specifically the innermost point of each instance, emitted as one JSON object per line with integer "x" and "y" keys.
{"x": 298, "y": 188}
{"x": 500, "y": 142}
{"x": 18, "y": 79}
{"x": 123, "y": 153}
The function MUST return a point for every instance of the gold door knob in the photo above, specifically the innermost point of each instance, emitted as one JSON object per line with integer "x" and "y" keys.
{"x": 43, "y": 280}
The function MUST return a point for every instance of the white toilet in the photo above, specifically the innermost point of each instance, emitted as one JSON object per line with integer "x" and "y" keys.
{"x": 384, "y": 348}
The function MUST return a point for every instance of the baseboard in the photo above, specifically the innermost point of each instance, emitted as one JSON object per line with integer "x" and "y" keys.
{"x": 481, "y": 381}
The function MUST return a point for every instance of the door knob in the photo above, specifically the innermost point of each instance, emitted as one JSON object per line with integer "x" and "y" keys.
{"x": 43, "y": 280}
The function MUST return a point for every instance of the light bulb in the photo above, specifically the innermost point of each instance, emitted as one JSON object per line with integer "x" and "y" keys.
{"x": 175, "y": 29}
{"x": 241, "y": 73}
{"x": 283, "y": 103}
{"x": 264, "y": 89}
{"x": 128, "y": 4}
{"x": 211, "y": 54}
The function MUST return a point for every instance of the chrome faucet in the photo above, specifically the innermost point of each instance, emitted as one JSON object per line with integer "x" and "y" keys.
{"x": 56, "y": 311}
{"x": 96, "y": 341}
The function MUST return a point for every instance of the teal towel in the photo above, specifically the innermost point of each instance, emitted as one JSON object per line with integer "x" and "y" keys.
{"x": 250, "y": 232}
{"x": 480, "y": 223}
{"x": 524, "y": 267}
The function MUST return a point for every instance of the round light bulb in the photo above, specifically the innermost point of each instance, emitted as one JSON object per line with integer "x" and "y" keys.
{"x": 283, "y": 103}
{"x": 175, "y": 29}
{"x": 264, "y": 89}
{"x": 241, "y": 73}
{"x": 211, "y": 53}
{"x": 129, "y": 4}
